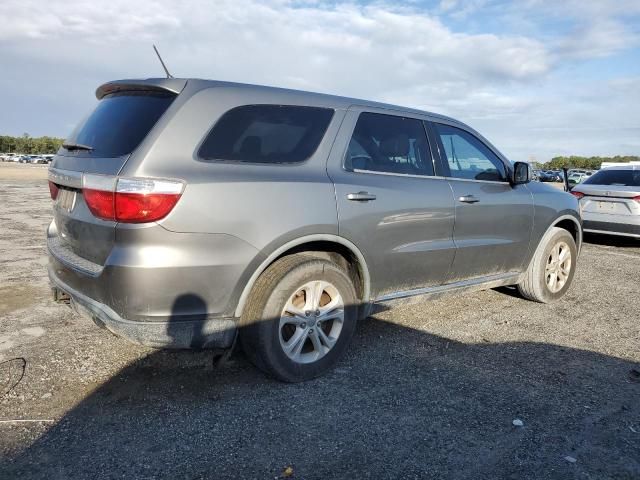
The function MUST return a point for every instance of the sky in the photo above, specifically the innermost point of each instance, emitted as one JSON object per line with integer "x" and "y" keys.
{"x": 538, "y": 78}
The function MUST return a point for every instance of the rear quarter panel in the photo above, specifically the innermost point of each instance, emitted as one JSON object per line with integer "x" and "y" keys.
{"x": 265, "y": 206}
{"x": 257, "y": 203}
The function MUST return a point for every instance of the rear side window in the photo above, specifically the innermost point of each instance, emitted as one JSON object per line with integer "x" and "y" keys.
{"x": 468, "y": 157}
{"x": 267, "y": 134}
{"x": 626, "y": 178}
{"x": 120, "y": 122}
{"x": 390, "y": 144}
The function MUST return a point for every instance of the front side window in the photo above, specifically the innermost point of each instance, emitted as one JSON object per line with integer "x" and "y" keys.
{"x": 390, "y": 144}
{"x": 468, "y": 157}
{"x": 268, "y": 134}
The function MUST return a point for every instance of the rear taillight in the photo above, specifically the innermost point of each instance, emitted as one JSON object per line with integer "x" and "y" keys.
{"x": 53, "y": 190}
{"x": 578, "y": 195}
{"x": 637, "y": 199}
{"x": 130, "y": 200}
{"x": 141, "y": 200}
{"x": 100, "y": 203}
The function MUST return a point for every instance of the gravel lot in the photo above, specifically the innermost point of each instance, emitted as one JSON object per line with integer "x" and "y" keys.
{"x": 426, "y": 391}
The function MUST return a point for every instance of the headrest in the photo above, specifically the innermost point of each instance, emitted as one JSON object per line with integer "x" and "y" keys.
{"x": 395, "y": 146}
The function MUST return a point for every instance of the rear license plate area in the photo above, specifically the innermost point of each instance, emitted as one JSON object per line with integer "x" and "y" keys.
{"x": 66, "y": 199}
{"x": 606, "y": 207}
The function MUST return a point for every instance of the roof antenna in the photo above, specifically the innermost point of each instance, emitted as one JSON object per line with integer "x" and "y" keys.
{"x": 163, "y": 65}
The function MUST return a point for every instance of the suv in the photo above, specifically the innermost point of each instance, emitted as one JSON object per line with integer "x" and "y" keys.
{"x": 189, "y": 213}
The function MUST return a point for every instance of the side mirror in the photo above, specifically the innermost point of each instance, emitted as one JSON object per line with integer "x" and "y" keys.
{"x": 521, "y": 173}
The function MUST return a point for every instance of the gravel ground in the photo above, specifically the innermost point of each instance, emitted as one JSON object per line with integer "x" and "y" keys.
{"x": 426, "y": 391}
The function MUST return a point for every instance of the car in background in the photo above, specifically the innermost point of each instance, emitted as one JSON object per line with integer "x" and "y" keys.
{"x": 550, "y": 176}
{"x": 39, "y": 160}
{"x": 610, "y": 201}
{"x": 576, "y": 178}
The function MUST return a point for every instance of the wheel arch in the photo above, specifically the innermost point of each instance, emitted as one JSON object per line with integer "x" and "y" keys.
{"x": 572, "y": 225}
{"x": 328, "y": 246}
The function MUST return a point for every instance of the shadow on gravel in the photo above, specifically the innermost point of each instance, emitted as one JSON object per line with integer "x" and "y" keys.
{"x": 402, "y": 404}
{"x": 611, "y": 240}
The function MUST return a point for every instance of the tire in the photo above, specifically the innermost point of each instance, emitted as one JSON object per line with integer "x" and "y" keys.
{"x": 538, "y": 284}
{"x": 268, "y": 333}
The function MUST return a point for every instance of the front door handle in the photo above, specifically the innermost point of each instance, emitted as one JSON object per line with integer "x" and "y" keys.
{"x": 361, "y": 197}
{"x": 468, "y": 199}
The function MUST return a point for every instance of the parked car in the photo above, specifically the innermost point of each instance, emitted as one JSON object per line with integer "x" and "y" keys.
{"x": 610, "y": 201}
{"x": 283, "y": 216}
{"x": 576, "y": 177}
{"x": 550, "y": 176}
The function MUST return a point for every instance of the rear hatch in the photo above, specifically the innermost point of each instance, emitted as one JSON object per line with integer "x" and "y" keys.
{"x": 612, "y": 191}
{"x": 101, "y": 145}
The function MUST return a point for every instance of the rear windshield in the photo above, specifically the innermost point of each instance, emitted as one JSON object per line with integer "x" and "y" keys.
{"x": 626, "y": 178}
{"x": 120, "y": 122}
{"x": 267, "y": 134}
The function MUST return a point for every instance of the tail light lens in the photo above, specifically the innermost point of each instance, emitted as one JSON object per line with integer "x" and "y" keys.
{"x": 637, "y": 199}
{"x": 130, "y": 200}
{"x": 578, "y": 195}
{"x": 100, "y": 203}
{"x": 140, "y": 200}
{"x": 53, "y": 190}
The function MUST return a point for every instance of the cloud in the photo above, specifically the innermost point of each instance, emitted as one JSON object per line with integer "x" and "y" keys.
{"x": 58, "y": 52}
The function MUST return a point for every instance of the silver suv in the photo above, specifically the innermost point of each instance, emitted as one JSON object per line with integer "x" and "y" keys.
{"x": 189, "y": 213}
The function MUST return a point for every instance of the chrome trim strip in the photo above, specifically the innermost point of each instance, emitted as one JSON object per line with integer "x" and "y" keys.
{"x": 477, "y": 181}
{"x": 611, "y": 232}
{"x": 68, "y": 178}
{"x": 392, "y": 174}
{"x": 499, "y": 278}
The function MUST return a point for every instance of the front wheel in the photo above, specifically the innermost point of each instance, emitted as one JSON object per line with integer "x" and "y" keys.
{"x": 300, "y": 318}
{"x": 552, "y": 268}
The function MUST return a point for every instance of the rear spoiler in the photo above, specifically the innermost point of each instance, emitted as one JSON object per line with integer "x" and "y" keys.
{"x": 172, "y": 85}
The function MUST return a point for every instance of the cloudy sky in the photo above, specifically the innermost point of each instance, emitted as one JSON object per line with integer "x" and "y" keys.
{"x": 538, "y": 77}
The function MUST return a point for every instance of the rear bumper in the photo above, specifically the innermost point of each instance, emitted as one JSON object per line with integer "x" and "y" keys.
{"x": 158, "y": 288}
{"x": 625, "y": 225}
{"x": 170, "y": 333}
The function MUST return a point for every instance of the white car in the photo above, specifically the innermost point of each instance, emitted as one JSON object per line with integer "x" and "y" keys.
{"x": 577, "y": 177}
{"x": 610, "y": 201}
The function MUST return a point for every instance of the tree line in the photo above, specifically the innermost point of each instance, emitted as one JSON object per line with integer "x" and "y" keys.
{"x": 29, "y": 145}
{"x": 42, "y": 145}
{"x": 591, "y": 163}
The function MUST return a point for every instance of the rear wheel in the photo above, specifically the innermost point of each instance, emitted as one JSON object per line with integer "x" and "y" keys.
{"x": 300, "y": 318}
{"x": 551, "y": 271}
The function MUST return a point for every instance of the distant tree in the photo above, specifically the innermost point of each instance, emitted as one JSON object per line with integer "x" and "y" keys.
{"x": 591, "y": 163}
{"x": 28, "y": 144}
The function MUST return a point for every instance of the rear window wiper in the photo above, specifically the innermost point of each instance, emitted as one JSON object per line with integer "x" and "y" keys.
{"x": 76, "y": 146}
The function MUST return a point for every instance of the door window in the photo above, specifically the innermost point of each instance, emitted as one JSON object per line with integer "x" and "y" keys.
{"x": 468, "y": 157}
{"x": 390, "y": 144}
{"x": 267, "y": 134}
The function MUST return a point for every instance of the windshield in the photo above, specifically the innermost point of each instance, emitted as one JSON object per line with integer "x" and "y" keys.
{"x": 118, "y": 124}
{"x": 626, "y": 178}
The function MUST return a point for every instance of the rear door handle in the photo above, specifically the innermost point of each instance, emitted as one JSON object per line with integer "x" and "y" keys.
{"x": 468, "y": 199}
{"x": 361, "y": 197}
